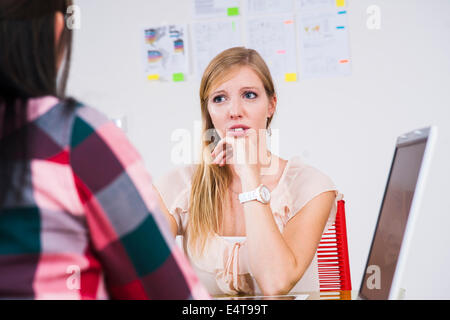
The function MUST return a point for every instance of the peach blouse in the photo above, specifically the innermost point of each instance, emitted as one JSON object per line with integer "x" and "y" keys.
{"x": 224, "y": 268}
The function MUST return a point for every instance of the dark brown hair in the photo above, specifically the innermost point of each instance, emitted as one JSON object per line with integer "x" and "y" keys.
{"x": 29, "y": 58}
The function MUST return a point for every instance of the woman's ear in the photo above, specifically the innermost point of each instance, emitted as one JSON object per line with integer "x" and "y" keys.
{"x": 272, "y": 105}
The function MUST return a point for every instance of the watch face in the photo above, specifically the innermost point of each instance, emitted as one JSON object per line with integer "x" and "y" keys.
{"x": 265, "y": 194}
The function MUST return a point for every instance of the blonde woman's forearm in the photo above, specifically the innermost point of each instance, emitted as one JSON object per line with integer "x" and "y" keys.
{"x": 272, "y": 262}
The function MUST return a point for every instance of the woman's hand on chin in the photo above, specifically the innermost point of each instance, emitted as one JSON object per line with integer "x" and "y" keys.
{"x": 241, "y": 152}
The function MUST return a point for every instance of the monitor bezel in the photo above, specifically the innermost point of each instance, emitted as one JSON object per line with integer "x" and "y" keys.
{"x": 428, "y": 135}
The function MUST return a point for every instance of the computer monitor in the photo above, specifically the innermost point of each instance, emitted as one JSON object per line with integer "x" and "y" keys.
{"x": 399, "y": 209}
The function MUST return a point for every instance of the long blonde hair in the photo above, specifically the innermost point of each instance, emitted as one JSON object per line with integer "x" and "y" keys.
{"x": 210, "y": 182}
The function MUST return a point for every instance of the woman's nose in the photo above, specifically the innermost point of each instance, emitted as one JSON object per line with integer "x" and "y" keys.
{"x": 236, "y": 109}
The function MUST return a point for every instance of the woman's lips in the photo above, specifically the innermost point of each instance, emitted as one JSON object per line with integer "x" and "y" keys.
{"x": 237, "y": 132}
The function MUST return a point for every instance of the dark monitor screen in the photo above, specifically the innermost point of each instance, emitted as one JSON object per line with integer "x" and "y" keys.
{"x": 392, "y": 219}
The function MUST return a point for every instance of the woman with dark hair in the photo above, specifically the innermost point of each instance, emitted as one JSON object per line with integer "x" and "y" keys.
{"x": 78, "y": 216}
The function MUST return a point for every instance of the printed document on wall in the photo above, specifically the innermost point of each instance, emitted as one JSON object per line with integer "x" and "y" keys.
{"x": 166, "y": 53}
{"x": 274, "y": 38}
{"x": 324, "y": 39}
{"x": 212, "y": 37}
{"x": 256, "y": 7}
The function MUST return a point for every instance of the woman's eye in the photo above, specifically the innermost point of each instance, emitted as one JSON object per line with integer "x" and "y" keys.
{"x": 218, "y": 99}
{"x": 250, "y": 95}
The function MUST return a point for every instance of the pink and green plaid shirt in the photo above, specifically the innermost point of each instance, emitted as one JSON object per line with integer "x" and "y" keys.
{"x": 88, "y": 225}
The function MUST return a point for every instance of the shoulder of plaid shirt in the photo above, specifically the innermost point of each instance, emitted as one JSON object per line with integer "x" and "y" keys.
{"x": 129, "y": 247}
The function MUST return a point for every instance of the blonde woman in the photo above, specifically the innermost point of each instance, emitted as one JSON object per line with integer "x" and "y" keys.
{"x": 250, "y": 220}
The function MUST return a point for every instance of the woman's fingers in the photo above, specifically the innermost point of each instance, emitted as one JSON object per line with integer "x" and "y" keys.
{"x": 223, "y": 156}
{"x": 228, "y": 156}
{"x": 229, "y": 146}
{"x": 222, "y": 145}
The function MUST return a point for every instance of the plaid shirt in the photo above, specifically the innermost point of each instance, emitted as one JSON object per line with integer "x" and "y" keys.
{"x": 88, "y": 225}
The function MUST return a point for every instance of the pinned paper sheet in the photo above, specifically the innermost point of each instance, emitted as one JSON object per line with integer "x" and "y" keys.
{"x": 274, "y": 38}
{"x": 259, "y": 7}
{"x": 290, "y": 77}
{"x": 212, "y": 37}
{"x": 324, "y": 39}
{"x": 166, "y": 52}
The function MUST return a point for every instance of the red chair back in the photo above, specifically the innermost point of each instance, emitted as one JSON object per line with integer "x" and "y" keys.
{"x": 332, "y": 255}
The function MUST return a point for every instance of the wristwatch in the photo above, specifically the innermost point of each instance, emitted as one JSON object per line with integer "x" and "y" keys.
{"x": 261, "y": 194}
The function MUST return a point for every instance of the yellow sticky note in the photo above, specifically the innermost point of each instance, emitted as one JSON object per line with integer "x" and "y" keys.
{"x": 340, "y": 3}
{"x": 153, "y": 77}
{"x": 290, "y": 77}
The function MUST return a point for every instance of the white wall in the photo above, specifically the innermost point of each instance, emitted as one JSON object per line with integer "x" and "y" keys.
{"x": 345, "y": 126}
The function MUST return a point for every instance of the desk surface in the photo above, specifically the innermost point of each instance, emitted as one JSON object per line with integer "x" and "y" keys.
{"x": 324, "y": 295}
